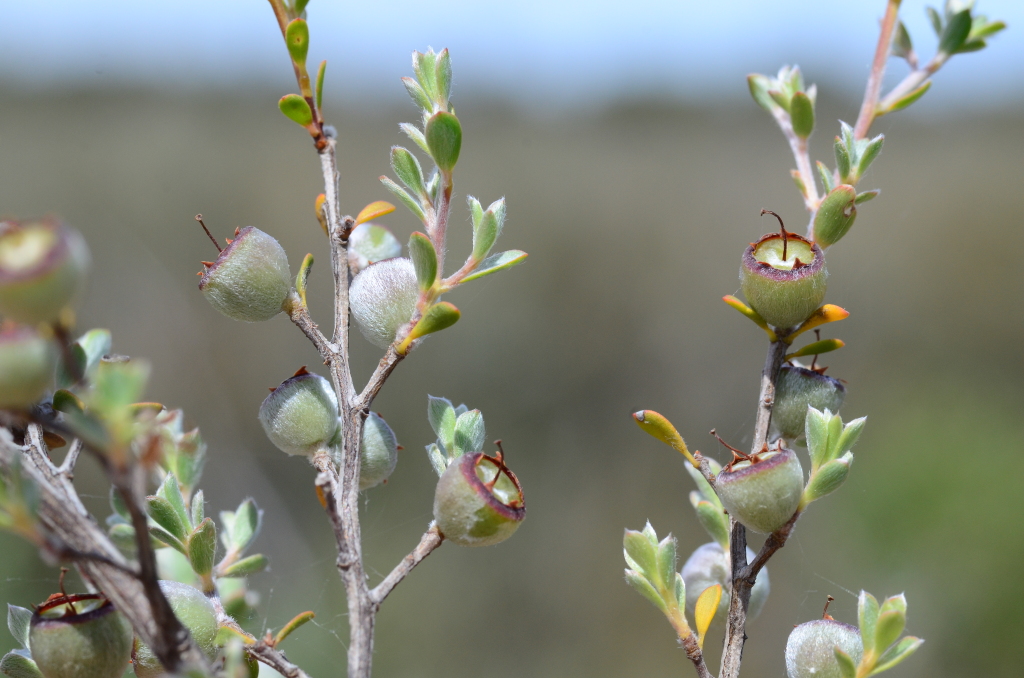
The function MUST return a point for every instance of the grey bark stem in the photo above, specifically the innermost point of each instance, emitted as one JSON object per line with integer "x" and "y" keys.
{"x": 735, "y": 636}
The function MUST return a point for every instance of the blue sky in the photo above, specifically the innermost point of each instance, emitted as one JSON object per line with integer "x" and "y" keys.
{"x": 563, "y": 52}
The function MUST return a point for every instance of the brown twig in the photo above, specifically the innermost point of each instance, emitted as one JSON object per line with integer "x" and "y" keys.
{"x": 693, "y": 652}
{"x": 431, "y": 539}
{"x": 869, "y": 107}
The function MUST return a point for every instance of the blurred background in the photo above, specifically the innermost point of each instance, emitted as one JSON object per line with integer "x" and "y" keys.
{"x": 634, "y": 165}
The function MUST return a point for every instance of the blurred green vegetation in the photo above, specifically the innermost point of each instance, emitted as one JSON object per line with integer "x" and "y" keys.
{"x": 634, "y": 215}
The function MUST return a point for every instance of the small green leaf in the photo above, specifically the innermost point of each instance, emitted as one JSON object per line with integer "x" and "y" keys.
{"x": 706, "y": 492}
{"x": 801, "y": 113}
{"x": 123, "y": 536}
{"x": 165, "y": 537}
{"x": 713, "y": 520}
{"x": 443, "y": 75}
{"x": 442, "y": 418}
{"x": 866, "y": 196}
{"x": 487, "y": 230}
{"x": 438, "y": 461}
{"x": 18, "y": 620}
{"x": 666, "y": 559}
{"x": 495, "y": 263}
{"x": 66, "y": 401}
{"x": 638, "y": 547}
{"x": 846, "y": 666}
{"x": 644, "y": 588}
{"x": 416, "y": 135}
{"x": 828, "y": 478}
{"x": 245, "y": 526}
{"x": 404, "y": 197}
{"x": 897, "y": 653}
{"x": 424, "y": 259}
{"x": 438, "y": 317}
{"x": 171, "y": 491}
{"x": 759, "y": 86}
{"x": 423, "y": 65}
{"x": 408, "y": 169}
{"x": 289, "y": 628}
{"x": 901, "y": 44}
{"x": 909, "y": 98}
{"x": 935, "y": 20}
{"x": 826, "y": 177}
{"x": 198, "y": 510}
{"x": 320, "y": 85}
{"x": 835, "y": 215}
{"x": 983, "y": 28}
{"x": 892, "y": 618}
{"x": 476, "y": 212}
{"x": 842, "y": 159}
{"x": 779, "y": 98}
{"x": 871, "y": 151}
{"x": 957, "y": 28}
{"x": 253, "y": 564}
{"x": 750, "y": 313}
{"x": 296, "y": 109}
{"x": 202, "y": 547}
{"x": 164, "y": 514}
{"x": 16, "y": 665}
{"x": 816, "y": 430}
{"x": 418, "y": 94}
{"x": 87, "y": 350}
{"x": 867, "y": 617}
{"x": 300, "y": 6}
{"x": 817, "y": 348}
{"x": 470, "y": 434}
{"x": 296, "y": 36}
{"x": 444, "y": 139}
{"x": 302, "y": 276}
{"x": 848, "y": 438}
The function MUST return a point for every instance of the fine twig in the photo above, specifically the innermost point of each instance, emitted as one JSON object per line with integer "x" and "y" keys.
{"x": 275, "y": 659}
{"x": 735, "y": 636}
{"x": 869, "y": 108}
{"x": 431, "y": 539}
{"x": 802, "y": 156}
{"x": 67, "y": 467}
{"x": 693, "y": 652}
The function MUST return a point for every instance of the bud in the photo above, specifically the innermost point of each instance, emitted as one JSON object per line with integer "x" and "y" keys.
{"x": 810, "y": 650}
{"x": 301, "y": 415}
{"x": 250, "y": 279}
{"x": 785, "y": 291}
{"x": 478, "y": 501}
{"x": 383, "y": 299}
{"x": 378, "y": 452}
{"x": 710, "y": 564}
{"x": 27, "y": 362}
{"x": 762, "y": 493}
{"x": 196, "y": 614}
{"x": 80, "y": 636}
{"x": 795, "y": 389}
{"x": 42, "y": 269}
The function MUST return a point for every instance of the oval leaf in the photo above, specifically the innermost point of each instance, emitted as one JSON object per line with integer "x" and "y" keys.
{"x": 424, "y": 258}
{"x": 495, "y": 263}
{"x": 704, "y": 610}
{"x": 407, "y": 167}
{"x": 296, "y": 109}
{"x": 801, "y": 112}
{"x": 835, "y": 215}
{"x": 444, "y": 138}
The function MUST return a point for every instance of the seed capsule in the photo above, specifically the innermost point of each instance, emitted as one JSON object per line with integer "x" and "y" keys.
{"x": 301, "y": 415}
{"x": 250, "y": 279}
{"x": 42, "y": 269}
{"x": 478, "y": 501}
{"x": 810, "y": 650}
{"x": 795, "y": 389}
{"x": 80, "y": 636}
{"x": 784, "y": 290}
{"x": 195, "y": 612}
{"x": 27, "y": 362}
{"x": 763, "y": 494}
{"x": 383, "y": 298}
{"x": 378, "y": 452}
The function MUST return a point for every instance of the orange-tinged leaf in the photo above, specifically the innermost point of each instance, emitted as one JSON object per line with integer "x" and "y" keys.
{"x": 374, "y": 210}
{"x": 829, "y": 313}
{"x": 704, "y": 610}
{"x": 750, "y": 313}
{"x": 318, "y": 207}
{"x": 657, "y": 425}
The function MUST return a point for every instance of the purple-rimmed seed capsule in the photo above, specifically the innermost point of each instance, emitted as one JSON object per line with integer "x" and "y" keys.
{"x": 478, "y": 501}
{"x": 42, "y": 269}
{"x": 80, "y": 636}
{"x": 810, "y": 650}
{"x": 795, "y": 389}
{"x": 764, "y": 492}
{"x": 27, "y": 362}
{"x": 195, "y": 612}
{"x": 250, "y": 279}
{"x": 783, "y": 278}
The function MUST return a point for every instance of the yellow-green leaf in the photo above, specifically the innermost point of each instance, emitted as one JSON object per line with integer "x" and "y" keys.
{"x": 657, "y": 425}
{"x": 704, "y": 610}
{"x": 375, "y": 209}
{"x": 750, "y": 313}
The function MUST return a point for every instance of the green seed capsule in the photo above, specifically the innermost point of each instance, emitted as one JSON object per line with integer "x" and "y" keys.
{"x": 27, "y": 362}
{"x": 80, "y": 636}
{"x": 795, "y": 389}
{"x": 762, "y": 495}
{"x": 710, "y": 564}
{"x": 478, "y": 501}
{"x": 785, "y": 291}
{"x": 810, "y": 650}
{"x": 196, "y": 614}
{"x": 378, "y": 452}
{"x": 42, "y": 269}
{"x": 383, "y": 299}
{"x": 301, "y": 415}
{"x": 250, "y": 279}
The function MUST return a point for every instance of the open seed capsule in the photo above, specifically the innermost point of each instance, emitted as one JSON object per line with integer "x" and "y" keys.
{"x": 80, "y": 636}
{"x": 42, "y": 269}
{"x": 762, "y": 494}
{"x": 784, "y": 290}
{"x": 478, "y": 501}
